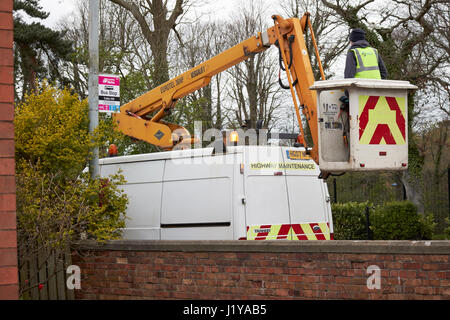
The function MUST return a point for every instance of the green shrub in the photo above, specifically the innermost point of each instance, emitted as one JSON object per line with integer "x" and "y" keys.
{"x": 447, "y": 229}
{"x": 399, "y": 220}
{"x": 349, "y": 220}
{"x": 57, "y": 204}
{"x": 427, "y": 225}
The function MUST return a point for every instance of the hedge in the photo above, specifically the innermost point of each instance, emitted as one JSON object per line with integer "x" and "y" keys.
{"x": 349, "y": 220}
{"x": 397, "y": 220}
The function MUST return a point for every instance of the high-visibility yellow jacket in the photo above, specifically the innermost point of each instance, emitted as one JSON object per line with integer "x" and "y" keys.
{"x": 352, "y": 62}
{"x": 367, "y": 63}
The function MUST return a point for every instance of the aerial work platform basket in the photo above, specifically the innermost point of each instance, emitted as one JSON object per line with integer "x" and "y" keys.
{"x": 368, "y": 133}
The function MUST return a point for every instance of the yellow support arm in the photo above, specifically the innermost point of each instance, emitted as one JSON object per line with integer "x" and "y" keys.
{"x": 141, "y": 118}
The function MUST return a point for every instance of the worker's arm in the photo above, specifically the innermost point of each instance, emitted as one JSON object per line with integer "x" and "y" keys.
{"x": 383, "y": 70}
{"x": 350, "y": 65}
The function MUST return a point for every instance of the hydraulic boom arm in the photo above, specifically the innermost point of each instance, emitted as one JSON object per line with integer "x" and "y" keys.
{"x": 142, "y": 117}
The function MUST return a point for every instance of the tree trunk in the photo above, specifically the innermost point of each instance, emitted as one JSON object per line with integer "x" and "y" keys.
{"x": 413, "y": 190}
{"x": 159, "y": 36}
{"x": 252, "y": 88}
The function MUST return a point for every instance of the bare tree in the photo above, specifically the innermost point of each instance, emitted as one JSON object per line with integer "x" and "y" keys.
{"x": 404, "y": 32}
{"x": 122, "y": 48}
{"x": 201, "y": 42}
{"x": 327, "y": 29}
{"x": 254, "y": 87}
{"x": 156, "y": 21}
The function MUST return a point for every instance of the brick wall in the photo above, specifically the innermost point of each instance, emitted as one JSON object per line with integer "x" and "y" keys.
{"x": 263, "y": 270}
{"x": 8, "y": 238}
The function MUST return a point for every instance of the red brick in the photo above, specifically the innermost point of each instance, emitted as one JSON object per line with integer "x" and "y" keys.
{"x": 7, "y": 167}
{"x": 9, "y": 292}
{"x": 407, "y": 274}
{"x": 6, "y": 130}
{"x": 430, "y": 266}
{"x": 6, "y": 38}
{"x": 444, "y": 266}
{"x": 7, "y": 184}
{"x": 8, "y": 239}
{"x": 6, "y": 75}
{"x": 295, "y": 278}
{"x": 410, "y": 258}
{"x": 424, "y": 290}
{"x": 282, "y": 292}
{"x": 412, "y": 282}
{"x": 411, "y": 265}
{"x": 393, "y": 265}
{"x": 8, "y": 275}
{"x": 445, "y": 283}
{"x": 8, "y": 257}
{"x": 422, "y": 274}
{"x": 384, "y": 257}
{"x": 6, "y": 93}
{"x": 7, "y": 202}
{"x": 6, "y": 6}
{"x": 6, "y": 57}
{"x": 6, "y": 20}
{"x": 433, "y": 275}
{"x": 7, "y": 220}
{"x": 167, "y": 275}
{"x": 396, "y": 296}
{"x": 6, "y": 112}
{"x": 6, "y": 148}
{"x": 439, "y": 258}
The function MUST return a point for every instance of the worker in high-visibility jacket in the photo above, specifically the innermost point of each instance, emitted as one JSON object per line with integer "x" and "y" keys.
{"x": 363, "y": 61}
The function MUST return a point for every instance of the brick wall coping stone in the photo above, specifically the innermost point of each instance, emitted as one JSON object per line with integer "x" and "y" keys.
{"x": 334, "y": 246}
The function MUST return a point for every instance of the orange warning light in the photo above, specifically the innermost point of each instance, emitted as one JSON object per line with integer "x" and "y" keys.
{"x": 234, "y": 137}
{"x": 112, "y": 150}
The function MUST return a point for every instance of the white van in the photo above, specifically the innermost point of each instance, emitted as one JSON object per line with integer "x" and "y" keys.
{"x": 246, "y": 193}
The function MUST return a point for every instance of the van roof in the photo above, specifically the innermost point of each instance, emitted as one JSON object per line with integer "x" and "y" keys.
{"x": 189, "y": 153}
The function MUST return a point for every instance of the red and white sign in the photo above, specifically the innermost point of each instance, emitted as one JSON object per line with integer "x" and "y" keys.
{"x": 108, "y": 93}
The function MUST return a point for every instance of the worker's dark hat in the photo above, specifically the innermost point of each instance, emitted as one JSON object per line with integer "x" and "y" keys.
{"x": 357, "y": 34}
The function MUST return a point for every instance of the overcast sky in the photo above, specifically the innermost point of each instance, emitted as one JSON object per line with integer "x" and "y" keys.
{"x": 62, "y": 10}
{"x": 58, "y": 9}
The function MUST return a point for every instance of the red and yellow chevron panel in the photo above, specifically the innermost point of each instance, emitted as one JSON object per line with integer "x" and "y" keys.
{"x": 382, "y": 120}
{"x": 300, "y": 231}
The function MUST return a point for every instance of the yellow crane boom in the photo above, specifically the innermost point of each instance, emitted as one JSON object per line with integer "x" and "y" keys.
{"x": 142, "y": 117}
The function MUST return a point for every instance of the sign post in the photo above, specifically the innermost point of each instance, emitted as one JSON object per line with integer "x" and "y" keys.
{"x": 93, "y": 82}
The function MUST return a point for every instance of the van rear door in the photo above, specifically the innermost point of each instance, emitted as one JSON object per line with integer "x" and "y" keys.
{"x": 266, "y": 209}
{"x": 307, "y": 196}
{"x": 197, "y": 197}
{"x": 143, "y": 187}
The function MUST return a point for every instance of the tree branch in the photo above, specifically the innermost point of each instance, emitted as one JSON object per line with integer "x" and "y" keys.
{"x": 177, "y": 11}
{"x": 131, "y": 7}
